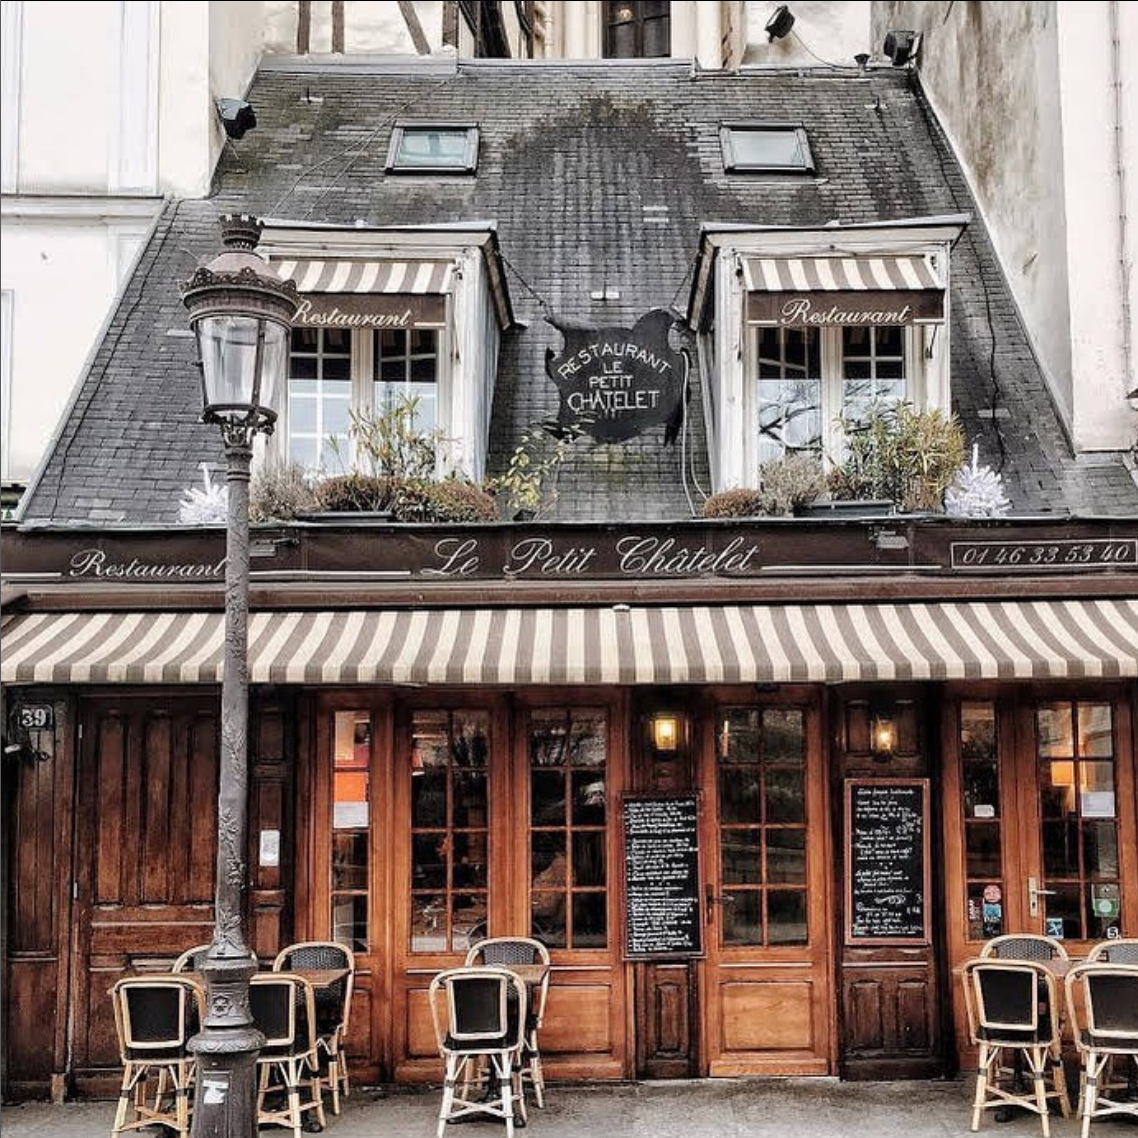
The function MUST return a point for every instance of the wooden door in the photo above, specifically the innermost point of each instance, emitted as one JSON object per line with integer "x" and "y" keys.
{"x": 1040, "y": 818}
{"x": 766, "y": 992}
{"x": 145, "y": 852}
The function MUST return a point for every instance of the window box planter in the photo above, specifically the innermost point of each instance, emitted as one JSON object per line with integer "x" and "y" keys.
{"x": 849, "y": 508}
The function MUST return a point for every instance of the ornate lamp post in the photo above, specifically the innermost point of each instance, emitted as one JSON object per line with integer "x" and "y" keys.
{"x": 241, "y": 315}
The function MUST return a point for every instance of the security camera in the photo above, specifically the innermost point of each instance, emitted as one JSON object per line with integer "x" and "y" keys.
{"x": 236, "y": 116}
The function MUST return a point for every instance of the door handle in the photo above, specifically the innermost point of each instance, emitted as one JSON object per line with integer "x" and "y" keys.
{"x": 712, "y": 898}
{"x": 1034, "y": 892}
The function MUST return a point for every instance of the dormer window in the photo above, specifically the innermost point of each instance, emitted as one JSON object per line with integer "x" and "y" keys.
{"x": 765, "y": 148}
{"x": 380, "y": 316}
{"x": 432, "y": 148}
{"x": 810, "y": 333}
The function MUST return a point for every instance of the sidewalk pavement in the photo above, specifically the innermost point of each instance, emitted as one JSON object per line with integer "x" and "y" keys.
{"x": 704, "y": 1108}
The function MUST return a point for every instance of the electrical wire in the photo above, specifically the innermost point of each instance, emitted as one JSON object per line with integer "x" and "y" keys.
{"x": 825, "y": 62}
{"x": 546, "y": 308}
{"x": 359, "y": 148}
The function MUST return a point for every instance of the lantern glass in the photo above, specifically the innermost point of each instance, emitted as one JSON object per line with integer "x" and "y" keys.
{"x": 233, "y": 387}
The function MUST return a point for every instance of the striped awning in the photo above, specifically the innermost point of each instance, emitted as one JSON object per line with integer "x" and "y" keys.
{"x": 418, "y": 278}
{"x": 839, "y": 274}
{"x": 824, "y": 643}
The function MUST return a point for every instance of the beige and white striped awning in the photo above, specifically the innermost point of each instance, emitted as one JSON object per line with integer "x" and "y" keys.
{"x": 839, "y": 274}
{"x": 825, "y": 643}
{"x": 418, "y": 278}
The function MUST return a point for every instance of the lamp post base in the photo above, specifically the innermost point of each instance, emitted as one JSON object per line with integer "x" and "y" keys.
{"x": 225, "y": 1097}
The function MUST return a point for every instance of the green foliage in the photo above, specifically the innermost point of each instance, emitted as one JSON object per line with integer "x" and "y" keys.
{"x": 529, "y": 482}
{"x": 389, "y": 444}
{"x": 737, "y": 503}
{"x": 904, "y": 455}
{"x": 279, "y": 491}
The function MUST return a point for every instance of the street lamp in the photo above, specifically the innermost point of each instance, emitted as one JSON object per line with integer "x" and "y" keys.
{"x": 241, "y": 315}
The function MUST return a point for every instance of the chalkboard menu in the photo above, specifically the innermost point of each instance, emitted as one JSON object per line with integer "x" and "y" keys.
{"x": 661, "y": 877}
{"x": 887, "y": 862}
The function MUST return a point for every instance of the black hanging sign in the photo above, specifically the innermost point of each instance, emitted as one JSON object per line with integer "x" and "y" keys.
{"x": 616, "y": 383}
{"x": 661, "y": 877}
{"x": 887, "y": 861}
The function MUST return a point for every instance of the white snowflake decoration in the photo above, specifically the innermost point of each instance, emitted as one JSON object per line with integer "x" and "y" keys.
{"x": 204, "y": 507}
{"x": 976, "y": 492}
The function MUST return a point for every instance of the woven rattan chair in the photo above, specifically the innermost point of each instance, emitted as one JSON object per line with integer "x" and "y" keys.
{"x": 191, "y": 959}
{"x": 1024, "y": 946}
{"x": 479, "y": 1015}
{"x": 1122, "y": 950}
{"x": 1011, "y": 1008}
{"x": 333, "y": 1003}
{"x": 155, "y": 1016}
{"x": 284, "y": 1010}
{"x": 1102, "y": 1001}
{"x": 508, "y": 952}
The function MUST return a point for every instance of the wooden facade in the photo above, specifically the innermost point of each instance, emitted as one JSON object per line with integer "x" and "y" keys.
{"x": 409, "y": 819}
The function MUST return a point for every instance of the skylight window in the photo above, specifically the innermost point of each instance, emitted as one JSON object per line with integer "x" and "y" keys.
{"x": 750, "y": 148}
{"x": 433, "y": 149}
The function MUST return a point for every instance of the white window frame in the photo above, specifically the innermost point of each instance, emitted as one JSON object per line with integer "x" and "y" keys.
{"x": 469, "y": 164}
{"x": 361, "y": 398}
{"x": 832, "y": 378}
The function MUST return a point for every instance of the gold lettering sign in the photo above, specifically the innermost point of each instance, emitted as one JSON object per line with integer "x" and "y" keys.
{"x": 831, "y": 309}
{"x": 368, "y": 310}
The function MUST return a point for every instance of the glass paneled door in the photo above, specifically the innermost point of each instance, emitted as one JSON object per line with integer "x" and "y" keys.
{"x": 1039, "y": 818}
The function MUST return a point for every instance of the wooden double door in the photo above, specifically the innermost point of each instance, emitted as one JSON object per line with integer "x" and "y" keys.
{"x": 431, "y": 819}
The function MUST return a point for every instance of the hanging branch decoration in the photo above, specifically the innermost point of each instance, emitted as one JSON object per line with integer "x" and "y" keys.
{"x": 204, "y": 506}
{"x": 976, "y": 492}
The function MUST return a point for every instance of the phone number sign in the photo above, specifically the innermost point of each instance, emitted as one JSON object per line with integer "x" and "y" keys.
{"x": 1035, "y": 556}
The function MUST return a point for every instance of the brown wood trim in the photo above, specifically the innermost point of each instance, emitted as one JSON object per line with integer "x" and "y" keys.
{"x": 495, "y": 593}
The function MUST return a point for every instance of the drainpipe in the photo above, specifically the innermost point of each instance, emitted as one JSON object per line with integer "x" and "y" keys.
{"x": 1123, "y": 219}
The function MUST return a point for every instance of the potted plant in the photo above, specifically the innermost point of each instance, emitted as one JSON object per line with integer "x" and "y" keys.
{"x": 528, "y": 484}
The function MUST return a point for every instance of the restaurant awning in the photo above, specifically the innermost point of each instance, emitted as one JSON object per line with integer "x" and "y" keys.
{"x": 415, "y": 278}
{"x": 773, "y": 643}
{"x": 799, "y": 291}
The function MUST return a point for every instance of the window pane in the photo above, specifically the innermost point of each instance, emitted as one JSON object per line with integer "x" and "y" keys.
{"x": 785, "y": 797}
{"x": 1053, "y": 726}
{"x": 739, "y": 791}
{"x": 588, "y": 798}
{"x": 302, "y": 367}
{"x": 985, "y": 911}
{"x": 786, "y": 857}
{"x": 1105, "y": 912}
{"x": 784, "y": 739}
{"x": 758, "y": 147}
{"x": 429, "y": 798}
{"x": 547, "y": 798}
{"x": 741, "y": 857}
{"x": 739, "y": 736}
{"x": 589, "y": 920}
{"x": 1095, "y": 735}
{"x": 428, "y": 923}
{"x": 301, "y": 413}
{"x": 468, "y": 920}
{"x": 432, "y": 146}
{"x": 1100, "y": 849}
{"x": 349, "y": 922}
{"x": 983, "y": 849}
{"x": 349, "y": 860}
{"x": 470, "y": 860}
{"x": 1061, "y": 849}
{"x": 743, "y": 917}
{"x": 589, "y": 859}
{"x": 786, "y": 915}
{"x": 429, "y": 861}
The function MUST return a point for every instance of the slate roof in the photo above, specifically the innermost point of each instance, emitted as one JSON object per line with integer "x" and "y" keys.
{"x": 576, "y": 160}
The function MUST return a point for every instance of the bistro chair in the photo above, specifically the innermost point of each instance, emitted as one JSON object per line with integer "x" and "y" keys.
{"x": 284, "y": 1011}
{"x": 1010, "y": 1010}
{"x": 155, "y": 1016}
{"x": 511, "y": 952}
{"x": 333, "y": 1002}
{"x": 191, "y": 959}
{"x": 1102, "y": 1001}
{"x": 479, "y": 1014}
{"x": 1121, "y": 950}
{"x": 1024, "y": 946}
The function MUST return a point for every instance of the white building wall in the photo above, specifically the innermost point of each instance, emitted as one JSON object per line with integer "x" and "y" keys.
{"x": 822, "y": 32}
{"x": 1026, "y": 93}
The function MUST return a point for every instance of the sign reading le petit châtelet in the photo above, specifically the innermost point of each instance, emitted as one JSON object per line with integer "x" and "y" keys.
{"x": 618, "y": 382}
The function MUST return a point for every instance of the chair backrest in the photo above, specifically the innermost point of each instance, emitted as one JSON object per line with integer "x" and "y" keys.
{"x": 155, "y": 1014}
{"x": 283, "y": 1011}
{"x": 1110, "y": 997}
{"x": 333, "y": 1001}
{"x": 507, "y": 951}
{"x": 478, "y": 1005}
{"x": 1024, "y": 946}
{"x": 1122, "y": 950}
{"x": 1005, "y": 999}
{"x": 191, "y": 959}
